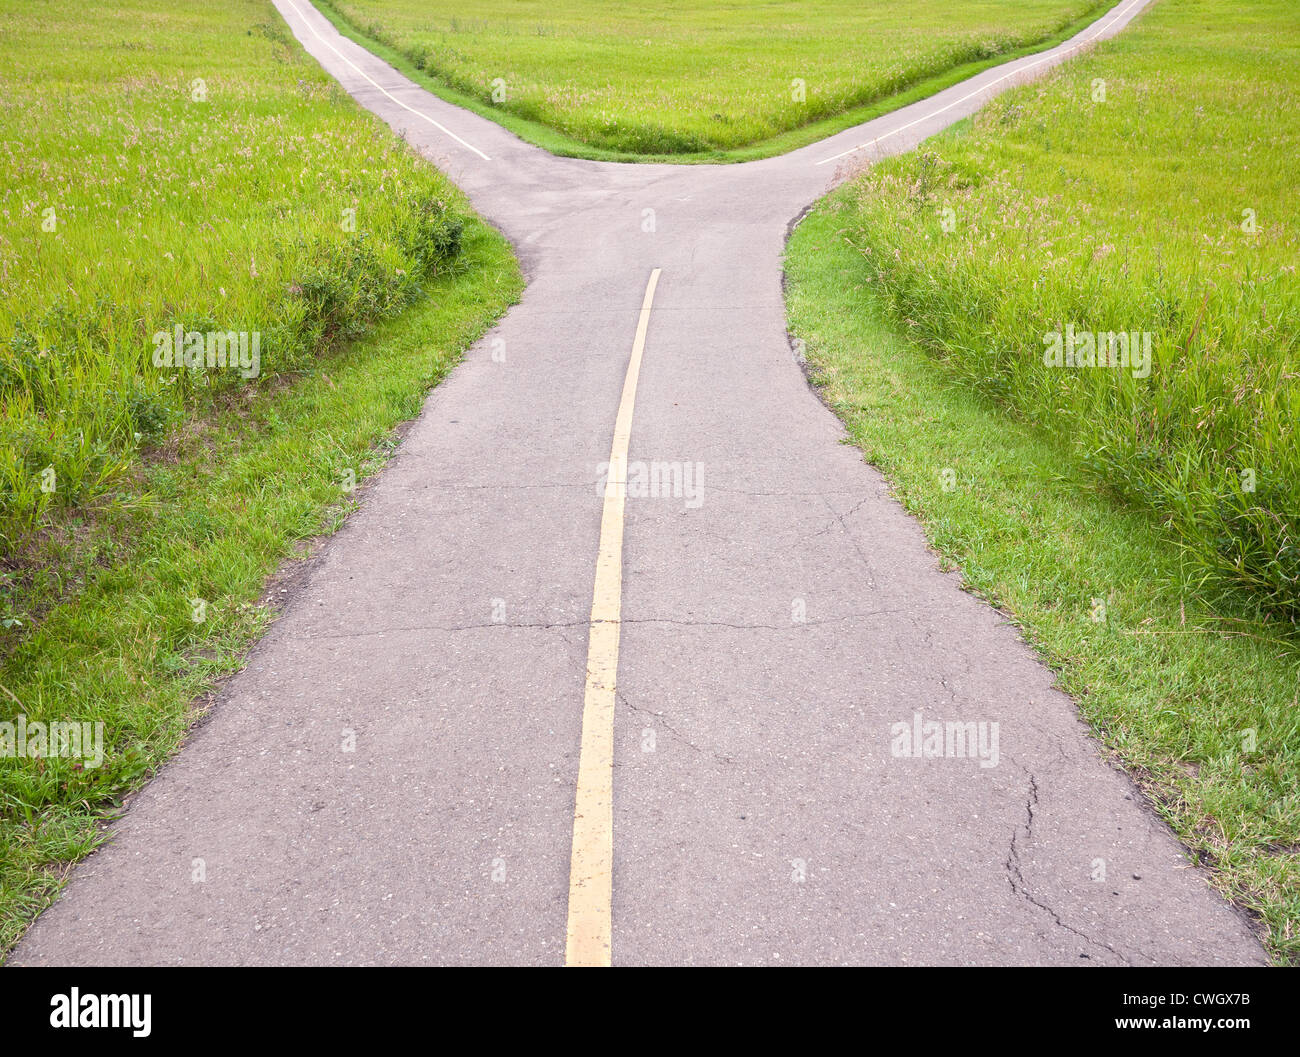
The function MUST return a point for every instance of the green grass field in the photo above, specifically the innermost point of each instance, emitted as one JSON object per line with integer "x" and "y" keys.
{"x": 135, "y": 584}
{"x": 681, "y": 78}
{"x": 1148, "y": 188}
{"x": 146, "y": 185}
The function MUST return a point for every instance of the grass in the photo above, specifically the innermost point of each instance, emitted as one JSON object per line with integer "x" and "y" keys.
{"x": 700, "y": 81}
{"x": 132, "y": 595}
{"x": 1200, "y": 707}
{"x": 178, "y": 166}
{"x": 1148, "y": 187}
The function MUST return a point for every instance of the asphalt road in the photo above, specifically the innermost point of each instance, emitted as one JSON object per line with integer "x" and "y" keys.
{"x": 759, "y": 812}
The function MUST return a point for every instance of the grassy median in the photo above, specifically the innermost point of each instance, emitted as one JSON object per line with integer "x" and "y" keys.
{"x": 696, "y": 81}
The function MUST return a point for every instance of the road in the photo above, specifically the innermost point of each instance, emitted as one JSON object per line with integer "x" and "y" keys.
{"x": 518, "y": 715}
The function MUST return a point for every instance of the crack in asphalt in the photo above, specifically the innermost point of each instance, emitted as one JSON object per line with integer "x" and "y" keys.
{"x": 626, "y": 621}
{"x": 1016, "y": 879}
{"x": 867, "y": 564}
{"x": 678, "y": 735}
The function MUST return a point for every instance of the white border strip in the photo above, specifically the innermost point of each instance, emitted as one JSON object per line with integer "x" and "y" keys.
{"x": 354, "y": 66}
{"x": 1099, "y": 28}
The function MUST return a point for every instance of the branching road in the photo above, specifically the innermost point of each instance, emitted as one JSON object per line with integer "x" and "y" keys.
{"x": 519, "y": 714}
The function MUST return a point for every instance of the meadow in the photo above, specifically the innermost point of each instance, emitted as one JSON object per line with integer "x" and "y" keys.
{"x": 187, "y": 165}
{"x": 1147, "y": 189}
{"x": 680, "y": 78}
{"x": 181, "y": 166}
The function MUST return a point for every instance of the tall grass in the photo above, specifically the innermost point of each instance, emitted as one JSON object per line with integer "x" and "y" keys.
{"x": 177, "y": 164}
{"x": 1148, "y": 187}
{"x": 686, "y": 76}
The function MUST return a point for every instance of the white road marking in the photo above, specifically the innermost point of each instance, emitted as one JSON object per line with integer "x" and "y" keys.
{"x": 417, "y": 113}
{"x": 971, "y": 95}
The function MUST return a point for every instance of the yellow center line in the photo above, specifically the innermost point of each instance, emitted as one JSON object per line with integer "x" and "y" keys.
{"x": 591, "y": 865}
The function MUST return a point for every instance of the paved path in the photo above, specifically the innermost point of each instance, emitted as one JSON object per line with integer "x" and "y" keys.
{"x": 449, "y": 625}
